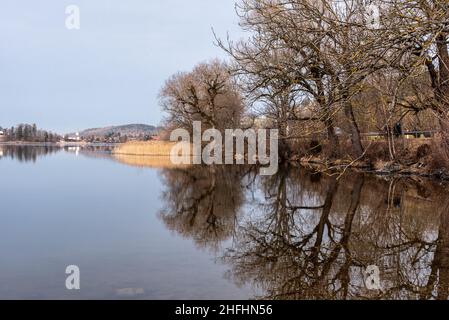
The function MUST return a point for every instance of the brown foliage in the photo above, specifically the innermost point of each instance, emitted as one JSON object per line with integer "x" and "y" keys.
{"x": 377, "y": 150}
{"x": 423, "y": 151}
{"x": 440, "y": 154}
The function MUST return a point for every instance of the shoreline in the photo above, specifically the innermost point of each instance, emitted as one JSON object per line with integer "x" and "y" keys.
{"x": 57, "y": 144}
{"x": 161, "y": 149}
{"x": 393, "y": 169}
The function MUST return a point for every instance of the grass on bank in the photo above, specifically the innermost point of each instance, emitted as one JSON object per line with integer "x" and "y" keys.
{"x": 149, "y": 148}
{"x": 151, "y": 154}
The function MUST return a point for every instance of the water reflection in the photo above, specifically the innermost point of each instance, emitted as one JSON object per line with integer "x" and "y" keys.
{"x": 23, "y": 153}
{"x": 299, "y": 235}
{"x": 101, "y": 151}
{"x": 314, "y": 238}
{"x": 306, "y": 236}
{"x": 202, "y": 203}
{"x": 31, "y": 153}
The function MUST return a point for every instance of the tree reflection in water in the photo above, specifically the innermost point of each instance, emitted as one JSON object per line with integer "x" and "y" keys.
{"x": 24, "y": 153}
{"x": 298, "y": 235}
{"x": 203, "y": 202}
{"x": 30, "y": 153}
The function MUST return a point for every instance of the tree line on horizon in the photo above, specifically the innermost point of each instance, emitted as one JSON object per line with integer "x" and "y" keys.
{"x": 325, "y": 73}
{"x": 29, "y": 133}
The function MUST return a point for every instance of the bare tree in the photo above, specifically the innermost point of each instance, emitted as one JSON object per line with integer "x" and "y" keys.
{"x": 419, "y": 30}
{"x": 308, "y": 50}
{"x": 208, "y": 94}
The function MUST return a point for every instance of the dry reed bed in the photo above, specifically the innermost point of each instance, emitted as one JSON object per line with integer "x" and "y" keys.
{"x": 150, "y": 148}
{"x": 151, "y": 154}
{"x": 158, "y": 162}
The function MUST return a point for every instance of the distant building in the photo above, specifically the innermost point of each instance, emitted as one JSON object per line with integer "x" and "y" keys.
{"x": 75, "y": 138}
{"x": 2, "y": 133}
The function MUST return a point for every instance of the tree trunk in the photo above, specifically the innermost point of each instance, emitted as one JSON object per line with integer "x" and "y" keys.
{"x": 442, "y": 89}
{"x": 333, "y": 139}
{"x": 328, "y": 121}
{"x": 443, "y": 62}
{"x": 441, "y": 257}
{"x": 356, "y": 142}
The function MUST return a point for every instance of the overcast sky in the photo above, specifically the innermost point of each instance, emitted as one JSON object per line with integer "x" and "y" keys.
{"x": 110, "y": 71}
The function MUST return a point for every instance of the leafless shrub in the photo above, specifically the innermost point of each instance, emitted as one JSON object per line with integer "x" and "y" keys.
{"x": 377, "y": 150}
{"x": 423, "y": 151}
{"x": 440, "y": 154}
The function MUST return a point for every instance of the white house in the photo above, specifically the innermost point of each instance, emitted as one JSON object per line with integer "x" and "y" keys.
{"x": 2, "y": 133}
{"x": 75, "y": 138}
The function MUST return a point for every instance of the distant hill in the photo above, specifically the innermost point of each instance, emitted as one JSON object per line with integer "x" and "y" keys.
{"x": 131, "y": 130}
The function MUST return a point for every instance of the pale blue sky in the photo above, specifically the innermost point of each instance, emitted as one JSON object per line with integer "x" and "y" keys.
{"x": 110, "y": 71}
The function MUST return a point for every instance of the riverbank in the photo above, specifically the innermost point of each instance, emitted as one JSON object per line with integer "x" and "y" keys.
{"x": 390, "y": 168}
{"x": 424, "y": 157}
{"x": 419, "y": 158}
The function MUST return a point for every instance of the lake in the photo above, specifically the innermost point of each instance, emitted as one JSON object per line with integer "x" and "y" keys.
{"x": 139, "y": 229}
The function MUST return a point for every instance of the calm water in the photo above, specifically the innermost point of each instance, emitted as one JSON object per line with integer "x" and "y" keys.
{"x": 213, "y": 232}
